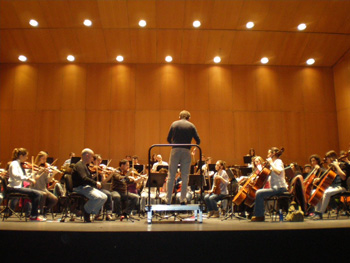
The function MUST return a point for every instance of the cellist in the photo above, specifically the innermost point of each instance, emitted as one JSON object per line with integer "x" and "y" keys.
{"x": 219, "y": 189}
{"x": 277, "y": 183}
{"x": 338, "y": 185}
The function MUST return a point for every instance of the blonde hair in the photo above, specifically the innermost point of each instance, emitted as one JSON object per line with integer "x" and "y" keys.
{"x": 38, "y": 157}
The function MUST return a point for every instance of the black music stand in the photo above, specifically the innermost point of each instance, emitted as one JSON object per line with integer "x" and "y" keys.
{"x": 74, "y": 160}
{"x": 155, "y": 180}
{"x": 196, "y": 180}
{"x": 139, "y": 167}
{"x": 247, "y": 159}
{"x": 246, "y": 170}
{"x": 162, "y": 166}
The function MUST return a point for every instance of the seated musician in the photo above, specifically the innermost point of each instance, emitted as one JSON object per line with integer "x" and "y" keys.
{"x": 219, "y": 189}
{"x": 17, "y": 175}
{"x": 277, "y": 184}
{"x": 159, "y": 162}
{"x": 98, "y": 174}
{"x": 43, "y": 177}
{"x": 338, "y": 185}
{"x": 84, "y": 184}
{"x": 120, "y": 180}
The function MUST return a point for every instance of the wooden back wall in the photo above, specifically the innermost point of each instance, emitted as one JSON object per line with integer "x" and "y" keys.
{"x": 120, "y": 109}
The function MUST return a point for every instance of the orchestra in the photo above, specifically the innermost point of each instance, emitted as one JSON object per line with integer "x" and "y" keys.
{"x": 123, "y": 191}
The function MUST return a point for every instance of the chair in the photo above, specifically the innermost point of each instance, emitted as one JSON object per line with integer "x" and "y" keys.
{"x": 8, "y": 211}
{"x": 277, "y": 201}
{"x": 72, "y": 198}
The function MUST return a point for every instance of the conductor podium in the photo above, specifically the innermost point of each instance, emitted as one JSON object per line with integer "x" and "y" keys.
{"x": 158, "y": 179}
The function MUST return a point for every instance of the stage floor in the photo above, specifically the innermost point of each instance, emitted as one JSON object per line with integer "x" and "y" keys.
{"x": 213, "y": 240}
{"x": 169, "y": 224}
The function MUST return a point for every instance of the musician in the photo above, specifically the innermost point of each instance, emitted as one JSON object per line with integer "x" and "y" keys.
{"x": 219, "y": 189}
{"x": 181, "y": 132}
{"x": 277, "y": 183}
{"x": 338, "y": 185}
{"x": 208, "y": 175}
{"x": 85, "y": 185}
{"x": 43, "y": 177}
{"x": 120, "y": 180}
{"x": 67, "y": 162}
{"x": 159, "y": 162}
{"x": 17, "y": 175}
{"x": 98, "y": 174}
{"x": 135, "y": 159}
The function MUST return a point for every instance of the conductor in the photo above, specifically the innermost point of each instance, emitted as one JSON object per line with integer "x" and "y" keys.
{"x": 181, "y": 132}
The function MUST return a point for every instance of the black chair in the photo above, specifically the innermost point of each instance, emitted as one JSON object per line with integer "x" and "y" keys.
{"x": 279, "y": 201}
{"x": 72, "y": 199}
{"x": 8, "y": 211}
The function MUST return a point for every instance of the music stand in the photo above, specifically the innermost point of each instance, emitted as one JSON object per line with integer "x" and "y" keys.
{"x": 212, "y": 167}
{"x": 246, "y": 170}
{"x": 155, "y": 180}
{"x": 196, "y": 180}
{"x": 105, "y": 162}
{"x": 74, "y": 160}
{"x": 247, "y": 159}
{"x": 49, "y": 160}
{"x": 139, "y": 167}
{"x": 162, "y": 166}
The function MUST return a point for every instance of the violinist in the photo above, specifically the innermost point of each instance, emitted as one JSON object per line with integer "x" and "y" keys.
{"x": 120, "y": 180}
{"x": 98, "y": 174}
{"x": 208, "y": 175}
{"x": 219, "y": 189}
{"x": 17, "y": 175}
{"x": 83, "y": 184}
{"x": 43, "y": 177}
{"x": 338, "y": 185}
{"x": 277, "y": 183}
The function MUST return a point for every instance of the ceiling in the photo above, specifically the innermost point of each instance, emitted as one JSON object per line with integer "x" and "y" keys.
{"x": 169, "y": 31}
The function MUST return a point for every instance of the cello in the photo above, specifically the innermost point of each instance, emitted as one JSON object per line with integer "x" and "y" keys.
{"x": 327, "y": 179}
{"x": 243, "y": 191}
{"x": 308, "y": 182}
{"x": 260, "y": 181}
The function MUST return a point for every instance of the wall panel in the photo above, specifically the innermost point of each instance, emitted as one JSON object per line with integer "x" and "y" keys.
{"x": 122, "y": 109}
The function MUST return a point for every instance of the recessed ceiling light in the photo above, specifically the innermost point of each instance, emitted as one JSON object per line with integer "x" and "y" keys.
{"x": 196, "y": 23}
{"x": 120, "y": 58}
{"x": 33, "y": 22}
{"x": 301, "y": 26}
{"x": 22, "y": 58}
{"x": 142, "y": 23}
{"x": 250, "y": 25}
{"x": 264, "y": 60}
{"x": 70, "y": 58}
{"x": 217, "y": 59}
{"x": 168, "y": 58}
{"x": 87, "y": 22}
{"x": 310, "y": 61}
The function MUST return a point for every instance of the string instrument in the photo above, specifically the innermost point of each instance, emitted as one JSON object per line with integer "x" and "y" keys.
{"x": 327, "y": 179}
{"x": 255, "y": 182}
{"x": 216, "y": 187}
{"x": 308, "y": 183}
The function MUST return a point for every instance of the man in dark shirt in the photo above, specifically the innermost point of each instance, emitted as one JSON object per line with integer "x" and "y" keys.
{"x": 181, "y": 132}
{"x": 120, "y": 180}
{"x": 83, "y": 184}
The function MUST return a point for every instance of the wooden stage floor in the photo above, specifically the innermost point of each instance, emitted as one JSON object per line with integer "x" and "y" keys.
{"x": 176, "y": 241}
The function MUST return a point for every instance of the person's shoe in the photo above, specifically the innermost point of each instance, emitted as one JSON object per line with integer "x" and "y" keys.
{"x": 258, "y": 219}
{"x": 98, "y": 217}
{"x": 183, "y": 202}
{"x": 317, "y": 216}
{"x": 36, "y": 219}
{"x": 216, "y": 214}
{"x": 87, "y": 218}
{"x": 109, "y": 218}
{"x": 210, "y": 214}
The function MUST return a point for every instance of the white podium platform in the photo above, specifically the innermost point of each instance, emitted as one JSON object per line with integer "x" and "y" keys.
{"x": 190, "y": 207}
